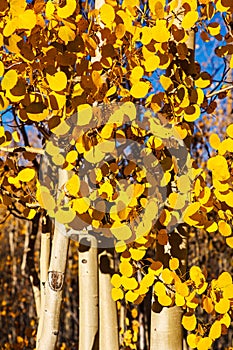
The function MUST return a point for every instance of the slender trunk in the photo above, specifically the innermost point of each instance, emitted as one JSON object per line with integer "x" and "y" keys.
{"x": 54, "y": 283}
{"x": 44, "y": 266}
{"x": 107, "y": 306}
{"x": 88, "y": 293}
{"x": 166, "y": 332}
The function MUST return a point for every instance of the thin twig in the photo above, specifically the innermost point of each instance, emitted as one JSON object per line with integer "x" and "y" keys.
{"x": 23, "y": 149}
{"x": 219, "y": 91}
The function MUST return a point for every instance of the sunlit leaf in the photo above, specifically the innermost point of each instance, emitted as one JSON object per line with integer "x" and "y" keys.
{"x": 140, "y": 89}
{"x": 190, "y": 19}
{"x": 26, "y": 174}
{"x": 67, "y": 10}
{"x": 57, "y": 82}
{"x": 189, "y": 321}
{"x": 117, "y": 294}
{"x": 9, "y": 79}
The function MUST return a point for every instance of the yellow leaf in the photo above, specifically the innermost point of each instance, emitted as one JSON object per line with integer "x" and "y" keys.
{"x": 226, "y": 319}
{"x": 26, "y": 175}
{"x": 67, "y": 10}
{"x": 140, "y": 89}
{"x": 71, "y": 156}
{"x": 38, "y": 117}
{"x": 57, "y": 82}
{"x": 174, "y": 263}
{"x": 27, "y": 20}
{"x": 129, "y": 283}
{"x": 192, "y": 113}
{"x": 214, "y": 28}
{"x": 117, "y": 294}
{"x": 73, "y": 185}
{"x": 49, "y": 9}
{"x": 204, "y": 344}
{"x": 196, "y": 275}
{"x": 164, "y": 300}
{"x": 192, "y": 340}
{"x": 136, "y": 74}
{"x": 179, "y": 300}
{"x": 137, "y": 254}
{"x": 151, "y": 63}
{"x": 222, "y": 306}
{"x": 58, "y": 159}
{"x": 116, "y": 280}
{"x": 167, "y": 276}
{"x": 229, "y": 241}
{"x": 224, "y": 228}
{"x": 45, "y": 199}
{"x": 111, "y": 91}
{"x": 10, "y": 27}
{"x": 107, "y": 14}
{"x": 190, "y": 19}
{"x": 9, "y": 79}
{"x": 131, "y": 296}
{"x": 80, "y": 205}
{"x": 84, "y": 114}
{"x": 202, "y": 83}
{"x": 120, "y": 31}
{"x": 2, "y": 68}
{"x": 214, "y": 141}
{"x": 166, "y": 82}
{"x": 61, "y": 129}
{"x": 66, "y": 34}
{"x": 148, "y": 280}
{"x": 16, "y": 136}
{"x": 159, "y": 288}
{"x": 192, "y": 209}
{"x": 230, "y": 128}
{"x": 120, "y": 246}
{"x": 94, "y": 155}
{"x": 160, "y": 32}
{"x": 51, "y": 149}
{"x": 219, "y": 167}
{"x": 122, "y": 232}
{"x": 189, "y": 321}
{"x": 182, "y": 289}
{"x": 224, "y": 280}
{"x": 215, "y": 330}
{"x": 65, "y": 215}
{"x": 125, "y": 268}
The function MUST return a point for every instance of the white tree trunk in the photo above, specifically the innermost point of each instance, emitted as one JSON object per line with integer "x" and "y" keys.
{"x": 166, "y": 330}
{"x": 88, "y": 294}
{"x": 54, "y": 283}
{"x": 107, "y": 306}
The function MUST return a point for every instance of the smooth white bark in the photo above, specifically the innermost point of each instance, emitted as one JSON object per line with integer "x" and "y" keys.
{"x": 54, "y": 283}
{"x": 166, "y": 330}
{"x": 88, "y": 294}
{"x": 107, "y": 306}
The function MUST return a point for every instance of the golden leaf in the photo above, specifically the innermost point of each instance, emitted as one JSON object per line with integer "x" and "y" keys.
{"x": 140, "y": 89}
{"x": 107, "y": 14}
{"x": 190, "y": 19}
{"x": 27, "y": 174}
{"x": 189, "y": 321}
{"x": 9, "y": 79}
{"x": 57, "y": 82}
{"x": 67, "y": 10}
{"x": 66, "y": 34}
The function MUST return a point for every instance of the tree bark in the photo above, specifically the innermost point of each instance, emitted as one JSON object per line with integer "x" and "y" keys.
{"x": 88, "y": 293}
{"x": 107, "y": 306}
{"x": 166, "y": 330}
{"x": 54, "y": 283}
